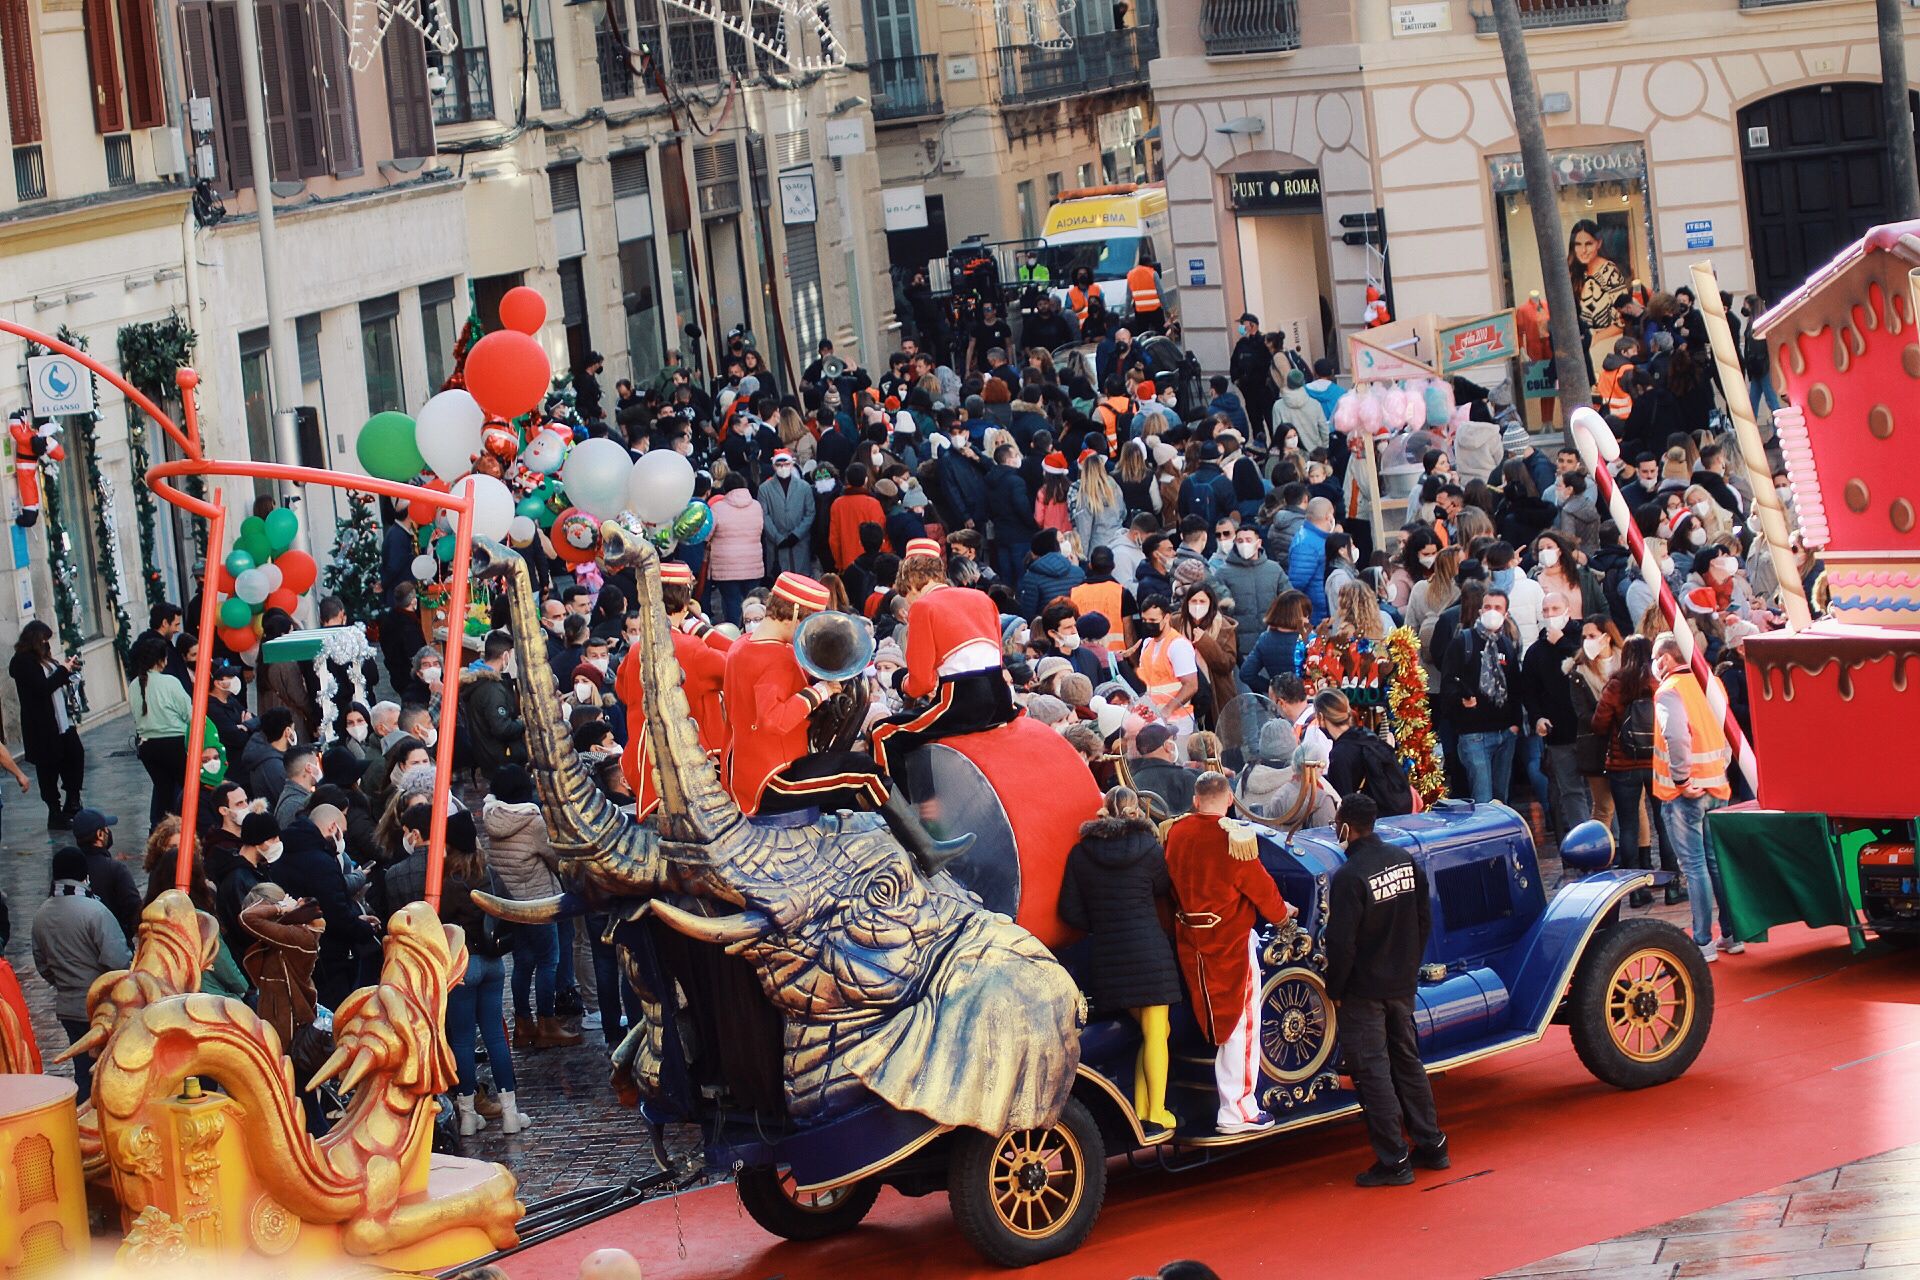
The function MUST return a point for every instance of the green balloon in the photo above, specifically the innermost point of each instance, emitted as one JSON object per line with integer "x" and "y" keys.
{"x": 238, "y": 562}
{"x": 282, "y": 528}
{"x": 386, "y": 447}
{"x": 443, "y": 549}
{"x": 254, "y": 541}
{"x": 235, "y": 612}
{"x": 533, "y": 506}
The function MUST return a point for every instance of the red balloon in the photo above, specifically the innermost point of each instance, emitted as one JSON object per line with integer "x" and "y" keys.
{"x": 298, "y": 572}
{"x": 238, "y": 639}
{"x": 508, "y": 373}
{"x": 421, "y": 512}
{"x": 282, "y": 599}
{"x": 523, "y": 309}
{"x": 222, "y": 580}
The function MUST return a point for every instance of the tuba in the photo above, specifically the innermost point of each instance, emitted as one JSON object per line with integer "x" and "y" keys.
{"x": 836, "y": 647}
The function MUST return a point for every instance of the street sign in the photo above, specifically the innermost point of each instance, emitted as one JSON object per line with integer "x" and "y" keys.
{"x": 1196, "y": 271}
{"x": 1480, "y": 341}
{"x": 1700, "y": 233}
{"x": 1421, "y": 19}
{"x": 59, "y": 385}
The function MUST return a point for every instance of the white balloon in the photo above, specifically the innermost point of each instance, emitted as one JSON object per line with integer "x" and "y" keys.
{"x": 521, "y": 531}
{"x": 448, "y": 432}
{"x": 424, "y": 567}
{"x": 273, "y": 574}
{"x": 595, "y": 476}
{"x": 252, "y": 587}
{"x": 661, "y": 486}
{"x": 492, "y": 505}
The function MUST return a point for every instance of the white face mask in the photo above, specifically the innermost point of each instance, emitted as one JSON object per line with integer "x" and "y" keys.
{"x": 429, "y": 738}
{"x": 340, "y": 843}
{"x": 1784, "y": 493}
{"x": 1555, "y": 623}
{"x": 1068, "y": 643}
{"x": 270, "y": 853}
{"x": 1666, "y": 565}
{"x": 1427, "y": 559}
{"x": 231, "y": 684}
{"x": 1022, "y": 635}
{"x": 1727, "y": 565}
{"x": 358, "y": 732}
{"x": 1696, "y": 536}
{"x": 1700, "y": 509}
{"x": 555, "y": 625}
{"x": 1593, "y": 646}
{"x": 823, "y": 486}
{"x": 1549, "y": 556}
{"x": 582, "y": 691}
{"x": 430, "y": 676}
{"x": 1197, "y": 609}
{"x": 1247, "y": 547}
{"x": 598, "y": 664}
{"x": 782, "y": 469}
{"x": 1492, "y": 619}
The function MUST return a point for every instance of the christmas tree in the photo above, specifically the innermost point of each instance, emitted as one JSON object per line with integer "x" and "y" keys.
{"x": 354, "y": 573}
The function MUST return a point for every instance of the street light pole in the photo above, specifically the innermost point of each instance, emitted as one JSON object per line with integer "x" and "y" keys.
{"x": 283, "y": 349}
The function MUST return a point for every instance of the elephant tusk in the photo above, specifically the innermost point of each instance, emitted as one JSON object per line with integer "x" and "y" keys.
{"x": 520, "y": 910}
{"x": 722, "y": 931}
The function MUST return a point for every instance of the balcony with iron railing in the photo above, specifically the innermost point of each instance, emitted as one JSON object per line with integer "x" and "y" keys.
{"x": 1250, "y": 26}
{"x": 546, "y": 71}
{"x": 469, "y": 92}
{"x": 1536, "y": 15}
{"x": 616, "y": 70}
{"x": 905, "y": 88}
{"x": 1105, "y": 60}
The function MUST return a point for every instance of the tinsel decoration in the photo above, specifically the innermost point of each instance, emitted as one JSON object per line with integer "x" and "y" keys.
{"x": 66, "y": 599}
{"x": 1410, "y": 712}
{"x": 345, "y": 647}
{"x": 106, "y": 533}
{"x": 151, "y": 353}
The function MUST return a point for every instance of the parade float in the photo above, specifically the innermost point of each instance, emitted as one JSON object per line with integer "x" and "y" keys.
{"x": 1829, "y": 838}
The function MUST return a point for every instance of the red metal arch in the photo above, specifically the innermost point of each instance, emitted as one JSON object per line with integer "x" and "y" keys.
{"x": 196, "y": 463}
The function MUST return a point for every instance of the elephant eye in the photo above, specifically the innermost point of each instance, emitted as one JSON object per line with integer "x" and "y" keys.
{"x": 886, "y": 888}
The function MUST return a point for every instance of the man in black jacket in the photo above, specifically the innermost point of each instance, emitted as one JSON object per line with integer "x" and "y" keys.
{"x": 1009, "y": 506}
{"x": 112, "y": 882}
{"x": 309, "y": 867}
{"x": 1378, "y": 920}
{"x": 1251, "y": 366}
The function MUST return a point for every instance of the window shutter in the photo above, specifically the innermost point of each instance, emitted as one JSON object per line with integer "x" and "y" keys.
{"x": 103, "y": 68}
{"x": 237, "y": 161}
{"x": 305, "y": 115}
{"x": 409, "y": 105}
{"x": 140, "y": 50}
{"x": 273, "y": 88}
{"x": 342, "y": 114}
{"x": 16, "y": 62}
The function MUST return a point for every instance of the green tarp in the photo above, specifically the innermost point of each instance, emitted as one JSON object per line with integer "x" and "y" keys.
{"x": 1780, "y": 868}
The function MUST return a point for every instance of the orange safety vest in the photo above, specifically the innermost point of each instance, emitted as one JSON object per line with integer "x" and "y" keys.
{"x": 1077, "y": 299}
{"x": 1103, "y": 598}
{"x": 1119, "y": 411}
{"x": 1143, "y": 284}
{"x": 1708, "y": 752}
{"x": 1155, "y": 669}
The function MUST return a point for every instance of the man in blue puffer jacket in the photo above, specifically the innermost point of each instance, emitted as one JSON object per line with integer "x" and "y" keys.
{"x": 1049, "y": 574}
{"x": 1307, "y": 557}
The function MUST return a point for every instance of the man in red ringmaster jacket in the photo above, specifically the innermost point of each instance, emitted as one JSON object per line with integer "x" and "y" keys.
{"x": 1221, "y": 890}
{"x": 953, "y": 677}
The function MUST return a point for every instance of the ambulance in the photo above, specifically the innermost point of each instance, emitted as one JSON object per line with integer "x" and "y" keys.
{"x": 1107, "y": 230}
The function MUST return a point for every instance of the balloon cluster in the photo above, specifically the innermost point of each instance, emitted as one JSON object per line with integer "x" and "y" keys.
{"x": 262, "y": 571}
{"x": 527, "y": 473}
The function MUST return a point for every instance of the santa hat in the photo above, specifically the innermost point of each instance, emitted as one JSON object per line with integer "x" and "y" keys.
{"x": 1701, "y": 600}
{"x": 924, "y": 547}
{"x": 802, "y": 590}
{"x": 783, "y": 455}
{"x": 1145, "y": 390}
{"x": 905, "y": 425}
{"x": 893, "y": 403}
{"x": 1054, "y": 464}
{"x": 675, "y": 574}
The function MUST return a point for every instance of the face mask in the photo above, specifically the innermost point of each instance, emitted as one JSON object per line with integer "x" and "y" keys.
{"x": 270, "y": 853}
{"x": 1784, "y": 493}
{"x": 1549, "y": 556}
{"x": 598, "y": 664}
{"x": 554, "y": 625}
{"x": 231, "y": 684}
{"x": 1555, "y": 623}
{"x": 1666, "y": 566}
{"x": 340, "y": 844}
{"x": 1292, "y": 442}
{"x": 1492, "y": 619}
{"x": 1427, "y": 561}
{"x": 1727, "y": 565}
{"x": 582, "y": 691}
{"x": 1149, "y": 629}
{"x": 823, "y": 486}
{"x": 430, "y": 676}
{"x": 1593, "y": 646}
{"x": 358, "y": 732}
{"x": 1068, "y": 643}
{"x": 432, "y": 736}
{"x": 1247, "y": 547}
{"x": 1022, "y": 635}
{"x": 1696, "y": 536}
{"x": 1503, "y": 578}
{"x": 1700, "y": 509}
{"x": 1197, "y": 610}
{"x": 782, "y": 470}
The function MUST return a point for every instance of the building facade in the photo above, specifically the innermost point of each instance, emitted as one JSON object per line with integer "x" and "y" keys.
{"x": 1742, "y": 132}
{"x": 651, "y": 172}
{"x": 987, "y": 112}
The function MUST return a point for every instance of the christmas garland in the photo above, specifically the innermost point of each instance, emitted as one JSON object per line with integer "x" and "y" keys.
{"x": 105, "y": 531}
{"x": 151, "y": 353}
{"x": 66, "y": 599}
{"x": 1411, "y": 714}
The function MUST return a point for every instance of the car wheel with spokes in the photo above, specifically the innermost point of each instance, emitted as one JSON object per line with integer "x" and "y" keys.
{"x": 1642, "y": 1004}
{"x": 1033, "y": 1194}
{"x": 773, "y": 1199}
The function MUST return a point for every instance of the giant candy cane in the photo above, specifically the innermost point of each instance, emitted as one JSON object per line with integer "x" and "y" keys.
{"x": 1598, "y": 448}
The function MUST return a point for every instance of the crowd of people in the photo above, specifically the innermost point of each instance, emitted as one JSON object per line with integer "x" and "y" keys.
{"x": 1113, "y": 558}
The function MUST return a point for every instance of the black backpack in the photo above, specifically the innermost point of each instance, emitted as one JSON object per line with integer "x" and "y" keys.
{"x": 1633, "y": 736}
{"x": 1385, "y": 782}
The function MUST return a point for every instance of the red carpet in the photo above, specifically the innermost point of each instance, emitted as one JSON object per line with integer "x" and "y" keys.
{"x": 1814, "y": 1060}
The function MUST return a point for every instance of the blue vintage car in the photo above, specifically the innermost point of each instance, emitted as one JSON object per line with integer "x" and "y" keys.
{"x": 1505, "y": 962}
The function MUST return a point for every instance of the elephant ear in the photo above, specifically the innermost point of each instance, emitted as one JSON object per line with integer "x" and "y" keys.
{"x": 998, "y": 986}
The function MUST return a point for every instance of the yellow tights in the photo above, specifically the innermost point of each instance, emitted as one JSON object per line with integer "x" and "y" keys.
{"x": 1150, "y": 1069}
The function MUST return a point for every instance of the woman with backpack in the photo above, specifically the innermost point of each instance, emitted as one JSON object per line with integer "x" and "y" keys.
{"x": 1624, "y": 718}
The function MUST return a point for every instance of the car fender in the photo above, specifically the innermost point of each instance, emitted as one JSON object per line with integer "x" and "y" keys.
{"x": 1539, "y": 968}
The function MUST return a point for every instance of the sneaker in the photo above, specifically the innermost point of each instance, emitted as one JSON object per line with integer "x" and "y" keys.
{"x": 1384, "y": 1175}
{"x": 1260, "y": 1122}
{"x": 1434, "y": 1157}
{"x": 1709, "y": 952}
{"x": 1732, "y": 946}
{"x": 590, "y": 1020}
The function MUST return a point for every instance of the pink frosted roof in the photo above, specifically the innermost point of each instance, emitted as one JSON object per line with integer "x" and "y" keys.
{"x": 1901, "y": 238}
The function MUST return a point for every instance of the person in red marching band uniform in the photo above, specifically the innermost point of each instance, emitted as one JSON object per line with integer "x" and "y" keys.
{"x": 953, "y": 660}
{"x": 702, "y": 653}
{"x": 790, "y": 744}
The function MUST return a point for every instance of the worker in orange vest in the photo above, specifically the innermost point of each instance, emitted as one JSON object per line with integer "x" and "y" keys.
{"x": 1143, "y": 293}
{"x": 1691, "y": 755}
{"x": 1079, "y": 292}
